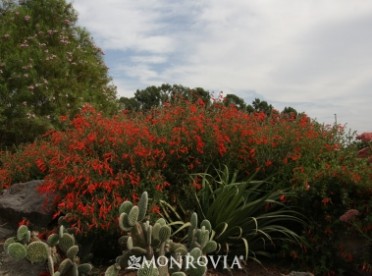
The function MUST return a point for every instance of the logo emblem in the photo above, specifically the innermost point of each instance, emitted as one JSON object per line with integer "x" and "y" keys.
{"x": 134, "y": 262}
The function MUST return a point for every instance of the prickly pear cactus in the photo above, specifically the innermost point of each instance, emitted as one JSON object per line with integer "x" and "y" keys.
{"x": 23, "y": 234}
{"x": 201, "y": 237}
{"x": 28, "y": 246}
{"x": 113, "y": 270}
{"x": 66, "y": 241}
{"x": 149, "y": 270}
{"x": 142, "y": 239}
{"x": 196, "y": 268}
{"x": 23, "y": 246}
{"x": 178, "y": 273}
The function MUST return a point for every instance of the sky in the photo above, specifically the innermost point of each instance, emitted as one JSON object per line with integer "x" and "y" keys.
{"x": 313, "y": 55}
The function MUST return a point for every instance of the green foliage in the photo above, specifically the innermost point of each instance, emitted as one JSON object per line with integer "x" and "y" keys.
{"x": 231, "y": 99}
{"x": 260, "y": 106}
{"x": 247, "y": 215}
{"x": 48, "y": 67}
{"x": 156, "y": 96}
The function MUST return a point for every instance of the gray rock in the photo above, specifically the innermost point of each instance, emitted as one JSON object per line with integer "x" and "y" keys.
{"x": 22, "y": 200}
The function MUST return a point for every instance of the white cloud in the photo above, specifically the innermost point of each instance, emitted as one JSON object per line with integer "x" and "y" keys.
{"x": 310, "y": 53}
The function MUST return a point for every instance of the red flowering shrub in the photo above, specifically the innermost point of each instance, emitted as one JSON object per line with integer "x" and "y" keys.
{"x": 98, "y": 161}
{"x": 366, "y": 146}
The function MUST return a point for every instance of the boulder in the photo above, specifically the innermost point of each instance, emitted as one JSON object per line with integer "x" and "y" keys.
{"x": 23, "y": 201}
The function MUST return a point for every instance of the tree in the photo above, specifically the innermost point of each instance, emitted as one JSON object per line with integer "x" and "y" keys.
{"x": 289, "y": 112}
{"x": 48, "y": 67}
{"x": 235, "y": 100}
{"x": 260, "y": 106}
{"x": 156, "y": 96}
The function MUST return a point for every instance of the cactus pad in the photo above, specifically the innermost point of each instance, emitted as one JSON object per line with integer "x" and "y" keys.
{"x": 207, "y": 225}
{"x": 23, "y": 234}
{"x": 194, "y": 220}
{"x": 72, "y": 252}
{"x": 123, "y": 222}
{"x": 196, "y": 253}
{"x": 129, "y": 243}
{"x": 165, "y": 233}
{"x": 210, "y": 247}
{"x": 50, "y": 265}
{"x": 112, "y": 270}
{"x": 37, "y": 251}
{"x": 161, "y": 221}
{"x": 133, "y": 216}
{"x": 17, "y": 251}
{"x": 148, "y": 271}
{"x": 66, "y": 241}
{"x": 142, "y": 205}
{"x": 53, "y": 240}
{"x": 85, "y": 268}
{"x": 8, "y": 241}
{"x": 65, "y": 266}
{"x": 178, "y": 273}
{"x": 197, "y": 271}
{"x": 125, "y": 207}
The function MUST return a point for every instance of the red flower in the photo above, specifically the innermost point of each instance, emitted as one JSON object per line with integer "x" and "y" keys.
{"x": 155, "y": 209}
{"x": 24, "y": 221}
{"x": 62, "y": 118}
{"x": 268, "y": 163}
{"x": 326, "y": 201}
{"x": 365, "y": 137}
{"x": 349, "y": 215}
{"x": 282, "y": 198}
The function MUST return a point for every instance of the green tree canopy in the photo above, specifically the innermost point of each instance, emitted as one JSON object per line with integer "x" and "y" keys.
{"x": 48, "y": 67}
{"x": 156, "y": 96}
{"x": 235, "y": 100}
{"x": 260, "y": 106}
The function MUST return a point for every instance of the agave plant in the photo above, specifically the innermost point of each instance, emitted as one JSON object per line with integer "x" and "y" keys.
{"x": 248, "y": 216}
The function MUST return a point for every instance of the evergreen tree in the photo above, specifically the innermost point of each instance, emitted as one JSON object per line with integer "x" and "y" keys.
{"x": 48, "y": 67}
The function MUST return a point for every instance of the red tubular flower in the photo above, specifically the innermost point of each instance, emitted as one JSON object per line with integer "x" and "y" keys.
{"x": 326, "y": 201}
{"x": 349, "y": 215}
{"x": 365, "y": 137}
{"x": 24, "y": 221}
